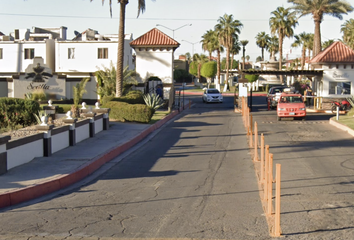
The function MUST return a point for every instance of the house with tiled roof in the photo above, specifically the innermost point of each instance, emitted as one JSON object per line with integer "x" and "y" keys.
{"x": 154, "y": 60}
{"x": 337, "y": 63}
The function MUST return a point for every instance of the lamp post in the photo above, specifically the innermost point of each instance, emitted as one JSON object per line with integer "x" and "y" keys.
{"x": 173, "y": 30}
{"x": 192, "y": 45}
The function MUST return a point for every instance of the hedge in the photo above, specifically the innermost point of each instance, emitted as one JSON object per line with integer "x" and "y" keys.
{"x": 122, "y": 111}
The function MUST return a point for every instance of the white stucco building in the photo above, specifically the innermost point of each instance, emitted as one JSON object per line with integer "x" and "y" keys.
{"x": 154, "y": 58}
{"x": 68, "y": 61}
{"x": 337, "y": 63}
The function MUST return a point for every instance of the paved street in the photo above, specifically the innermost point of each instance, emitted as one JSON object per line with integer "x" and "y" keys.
{"x": 317, "y": 174}
{"x": 194, "y": 179}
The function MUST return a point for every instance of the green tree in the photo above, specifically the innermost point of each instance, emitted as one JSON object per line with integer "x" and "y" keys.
{"x": 78, "y": 92}
{"x": 181, "y": 75}
{"x": 200, "y": 60}
{"x": 243, "y": 43}
{"x": 318, "y": 8}
{"x": 228, "y": 30}
{"x": 282, "y": 23}
{"x": 209, "y": 71}
{"x": 348, "y": 32}
{"x": 273, "y": 47}
{"x": 326, "y": 44}
{"x": 120, "y": 60}
{"x": 300, "y": 41}
{"x": 208, "y": 42}
{"x": 193, "y": 68}
{"x": 262, "y": 40}
{"x": 106, "y": 78}
{"x": 234, "y": 51}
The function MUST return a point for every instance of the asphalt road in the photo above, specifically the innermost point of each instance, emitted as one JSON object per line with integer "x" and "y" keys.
{"x": 193, "y": 180}
{"x": 317, "y": 174}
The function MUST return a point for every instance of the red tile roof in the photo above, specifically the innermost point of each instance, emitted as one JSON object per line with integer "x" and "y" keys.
{"x": 154, "y": 38}
{"x": 337, "y": 52}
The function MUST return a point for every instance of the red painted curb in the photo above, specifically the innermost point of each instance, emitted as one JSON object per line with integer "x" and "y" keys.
{"x": 32, "y": 192}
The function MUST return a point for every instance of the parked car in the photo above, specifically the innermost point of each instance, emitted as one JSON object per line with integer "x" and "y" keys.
{"x": 212, "y": 95}
{"x": 291, "y": 105}
{"x": 273, "y": 95}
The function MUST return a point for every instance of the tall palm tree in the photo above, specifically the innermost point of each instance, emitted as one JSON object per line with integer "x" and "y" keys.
{"x": 243, "y": 43}
{"x": 208, "y": 42}
{"x": 282, "y": 22}
{"x": 188, "y": 57}
{"x": 309, "y": 44}
{"x": 317, "y": 8}
{"x": 262, "y": 40}
{"x": 228, "y": 30}
{"x": 348, "y": 32}
{"x": 120, "y": 57}
{"x": 273, "y": 47}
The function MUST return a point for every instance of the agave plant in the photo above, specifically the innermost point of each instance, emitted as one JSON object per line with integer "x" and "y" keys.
{"x": 152, "y": 100}
{"x": 40, "y": 115}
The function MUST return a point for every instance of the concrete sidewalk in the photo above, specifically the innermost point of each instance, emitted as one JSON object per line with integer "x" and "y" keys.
{"x": 45, "y": 175}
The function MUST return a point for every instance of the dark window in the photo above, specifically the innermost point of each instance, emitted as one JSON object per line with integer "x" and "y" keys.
{"x": 102, "y": 53}
{"x": 29, "y": 53}
{"x": 71, "y": 53}
{"x": 340, "y": 88}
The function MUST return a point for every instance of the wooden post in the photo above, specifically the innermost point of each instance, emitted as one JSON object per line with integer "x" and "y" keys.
{"x": 266, "y": 172}
{"x": 270, "y": 184}
{"x": 251, "y": 130}
{"x": 262, "y": 158}
{"x": 277, "y": 230}
{"x": 256, "y": 142}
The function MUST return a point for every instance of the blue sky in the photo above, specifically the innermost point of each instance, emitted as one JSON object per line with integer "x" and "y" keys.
{"x": 202, "y": 14}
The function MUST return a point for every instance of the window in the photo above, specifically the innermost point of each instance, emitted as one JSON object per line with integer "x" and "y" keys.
{"x": 0, "y": 53}
{"x": 340, "y": 88}
{"x": 102, "y": 53}
{"x": 29, "y": 53}
{"x": 71, "y": 53}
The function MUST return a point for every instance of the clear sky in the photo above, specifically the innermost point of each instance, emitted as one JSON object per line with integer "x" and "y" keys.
{"x": 78, "y": 15}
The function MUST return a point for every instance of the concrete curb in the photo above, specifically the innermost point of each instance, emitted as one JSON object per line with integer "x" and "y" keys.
{"x": 56, "y": 183}
{"x": 341, "y": 126}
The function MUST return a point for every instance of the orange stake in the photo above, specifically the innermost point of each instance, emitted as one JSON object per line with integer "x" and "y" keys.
{"x": 262, "y": 158}
{"x": 256, "y": 142}
{"x": 266, "y": 164}
{"x": 270, "y": 184}
{"x": 277, "y": 230}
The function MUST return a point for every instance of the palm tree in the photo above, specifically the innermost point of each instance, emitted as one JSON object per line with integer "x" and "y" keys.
{"x": 234, "y": 51}
{"x": 123, "y": 4}
{"x": 188, "y": 57}
{"x": 348, "y": 32}
{"x": 309, "y": 44}
{"x": 262, "y": 40}
{"x": 228, "y": 30}
{"x": 282, "y": 22}
{"x": 318, "y": 8}
{"x": 209, "y": 42}
{"x": 326, "y": 44}
{"x": 300, "y": 41}
{"x": 243, "y": 43}
{"x": 273, "y": 47}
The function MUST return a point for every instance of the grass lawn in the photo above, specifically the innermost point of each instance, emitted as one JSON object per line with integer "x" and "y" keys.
{"x": 347, "y": 119}
{"x": 158, "y": 115}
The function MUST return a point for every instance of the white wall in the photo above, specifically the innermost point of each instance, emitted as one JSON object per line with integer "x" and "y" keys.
{"x": 333, "y": 74}
{"x": 24, "y": 153}
{"x": 86, "y": 56}
{"x": 82, "y": 133}
{"x": 60, "y": 141}
{"x": 154, "y": 63}
{"x": 99, "y": 125}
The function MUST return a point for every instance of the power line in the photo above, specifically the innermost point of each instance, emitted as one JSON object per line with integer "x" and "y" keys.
{"x": 151, "y": 19}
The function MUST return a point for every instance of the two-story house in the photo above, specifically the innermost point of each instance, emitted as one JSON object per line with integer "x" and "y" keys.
{"x": 45, "y": 60}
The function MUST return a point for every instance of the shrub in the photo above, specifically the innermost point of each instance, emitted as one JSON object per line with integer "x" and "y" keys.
{"x": 153, "y": 101}
{"x": 136, "y": 97}
{"x": 129, "y": 112}
{"x": 15, "y": 111}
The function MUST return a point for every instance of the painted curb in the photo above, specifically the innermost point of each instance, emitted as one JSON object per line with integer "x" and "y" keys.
{"x": 31, "y": 192}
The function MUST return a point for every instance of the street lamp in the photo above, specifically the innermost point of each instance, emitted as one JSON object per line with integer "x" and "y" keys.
{"x": 192, "y": 45}
{"x": 173, "y": 30}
